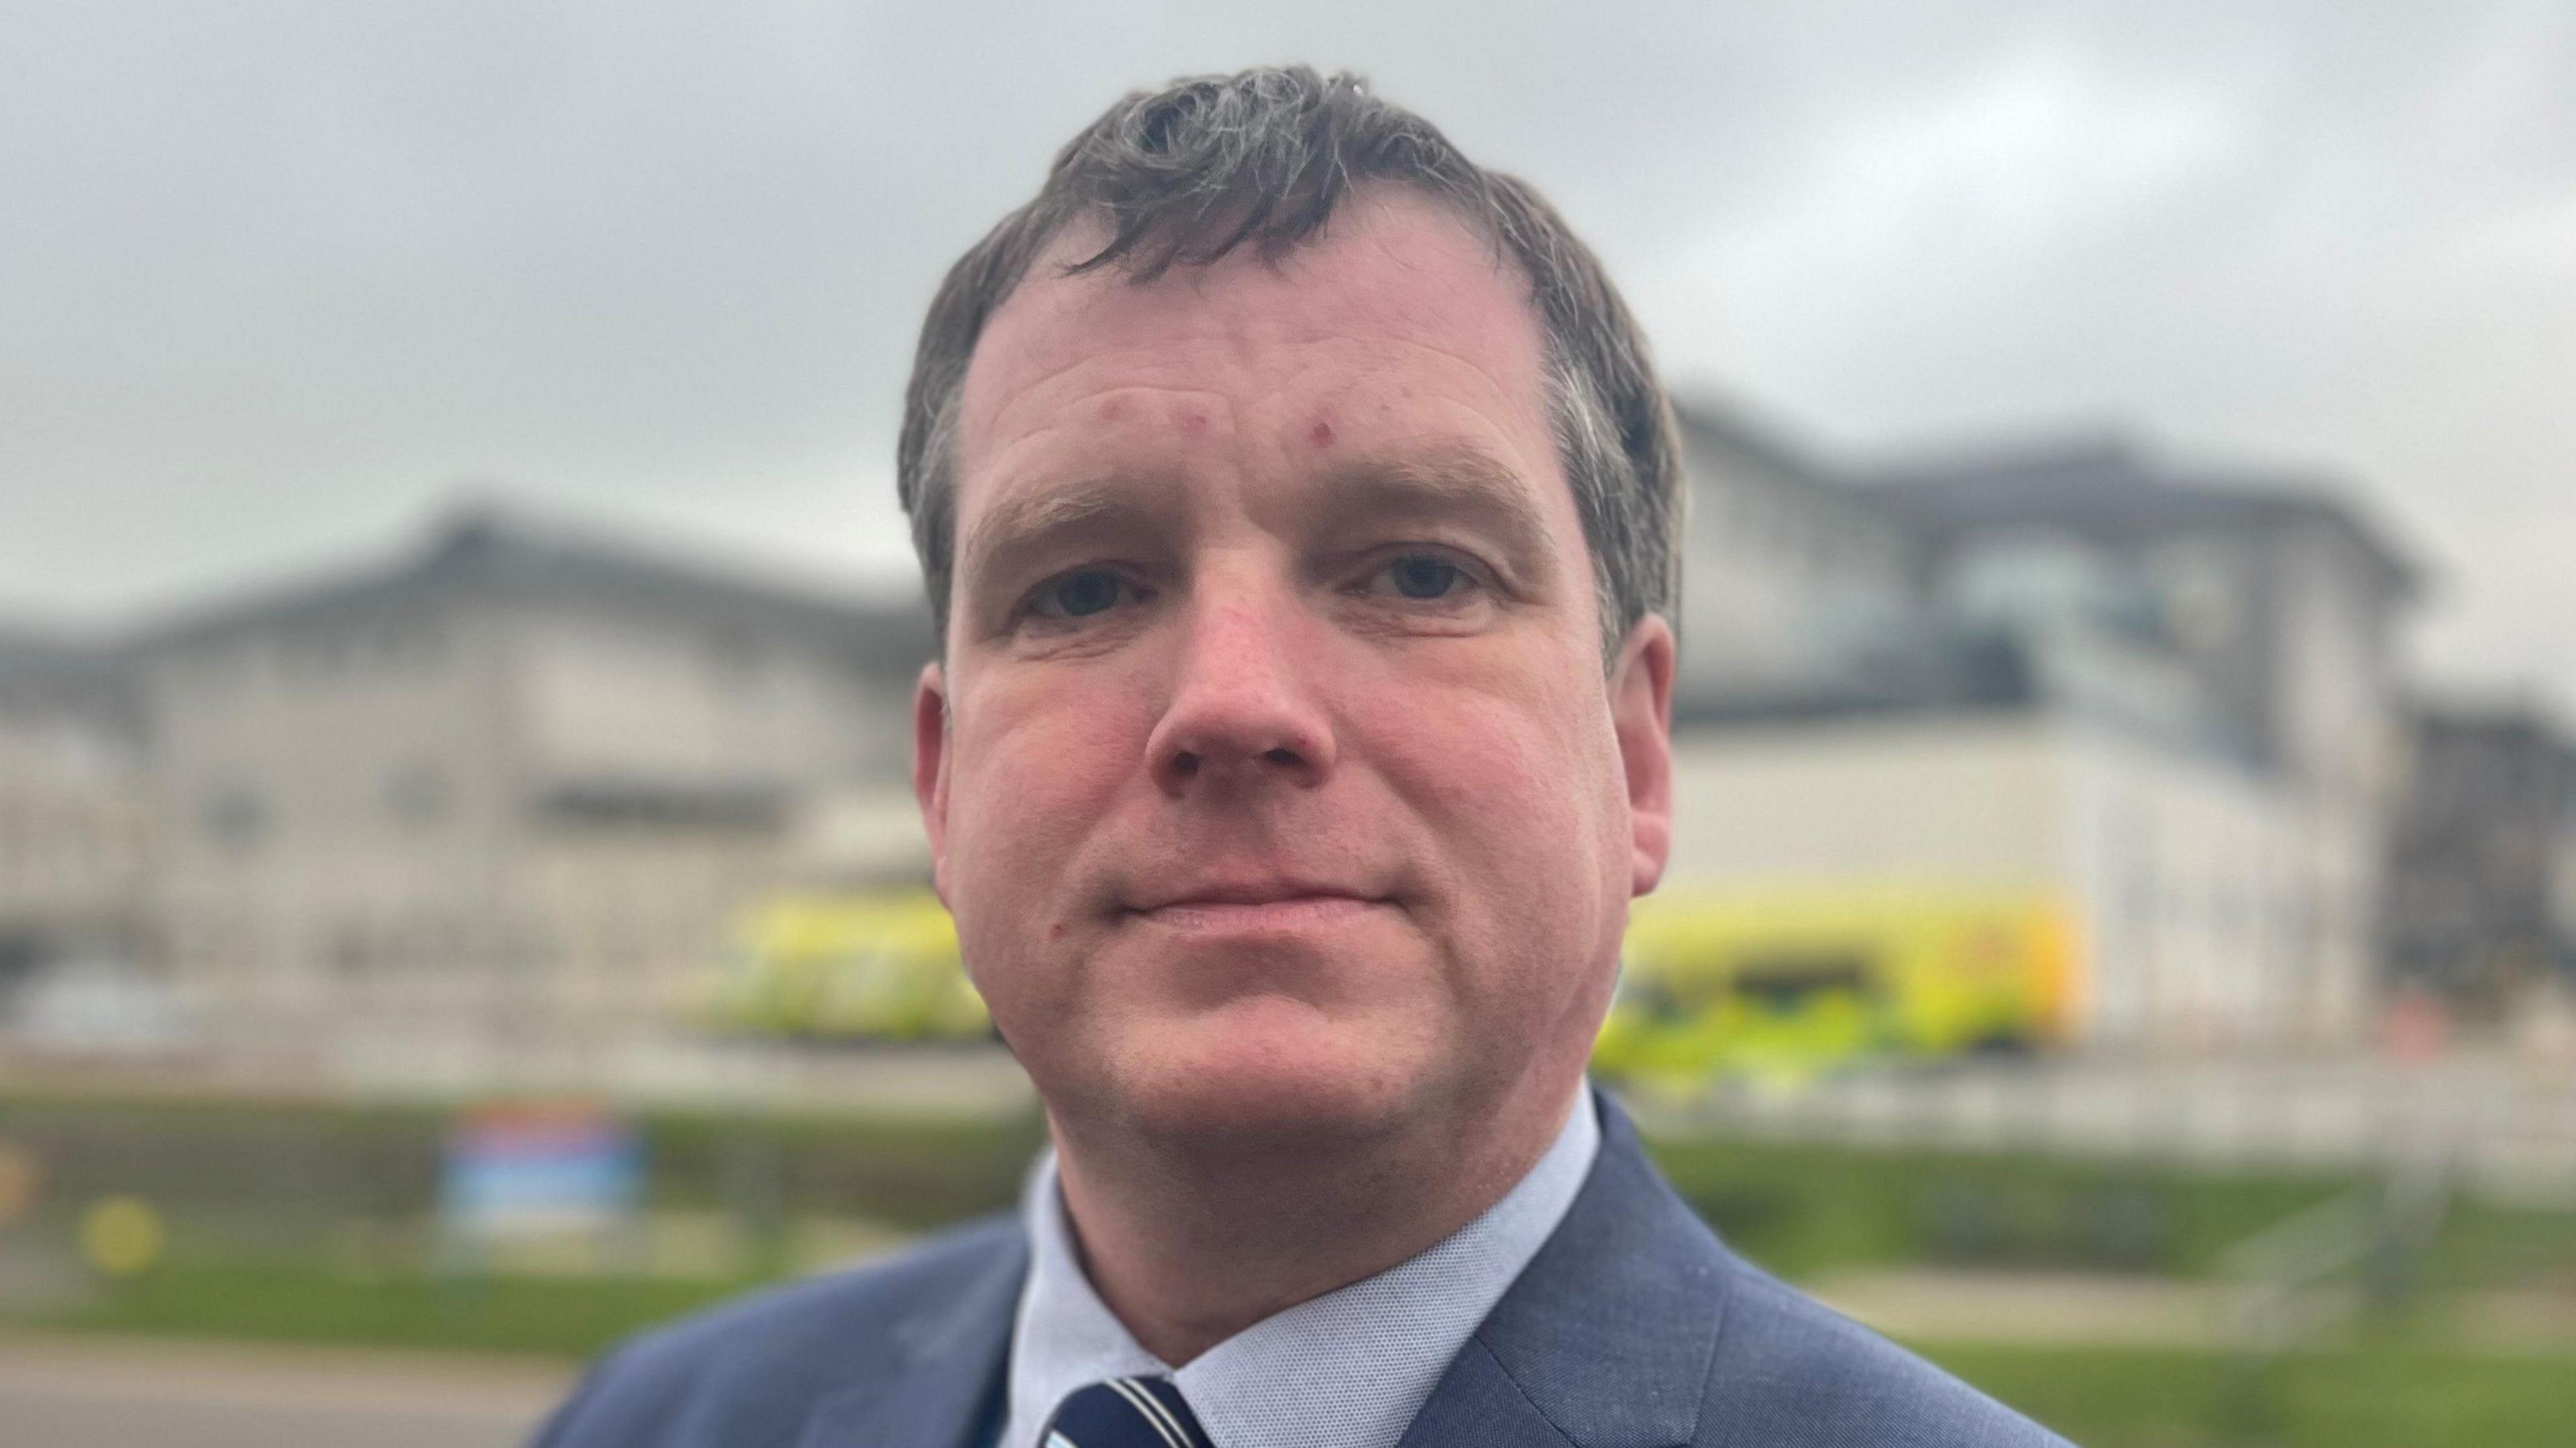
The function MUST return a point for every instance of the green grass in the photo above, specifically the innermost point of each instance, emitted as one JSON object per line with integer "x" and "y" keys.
{"x": 1802, "y": 1210}
{"x": 2383, "y": 1396}
{"x": 909, "y": 1174}
{"x": 2486, "y": 1246}
{"x": 552, "y": 1316}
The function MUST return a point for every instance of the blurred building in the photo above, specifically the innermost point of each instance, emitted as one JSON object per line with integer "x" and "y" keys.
{"x": 1795, "y": 584}
{"x": 519, "y": 775}
{"x": 75, "y": 836}
{"x": 2481, "y": 899}
{"x": 2270, "y": 595}
{"x": 2159, "y": 697}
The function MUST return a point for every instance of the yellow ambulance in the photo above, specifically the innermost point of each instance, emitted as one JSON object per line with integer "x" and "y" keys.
{"x": 1713, "y": 982}
{"x": 832, "y": 966}
{"x": 1791, "y": 981}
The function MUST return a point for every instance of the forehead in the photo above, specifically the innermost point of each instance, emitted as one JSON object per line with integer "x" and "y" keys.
{"x": 1397, "y": 319}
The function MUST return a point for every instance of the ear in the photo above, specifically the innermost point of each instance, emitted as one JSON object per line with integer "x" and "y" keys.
{"x": 930, "y": 767}
{"x": 1641, "y": 711}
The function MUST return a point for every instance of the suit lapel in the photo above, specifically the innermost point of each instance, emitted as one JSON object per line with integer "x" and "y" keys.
{"x": 1604, "y": 1341}
{"x": 1606, "y": 1338}
{"x": 935, "y": 1389}
{"x": 1478, "y": 1403}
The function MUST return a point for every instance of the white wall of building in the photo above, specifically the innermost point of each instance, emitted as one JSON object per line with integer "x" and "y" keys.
{"x": 2223, "y": 906}
{"x": 75, "y": 835}
{"x": 1968, "y": 802}
{"x": 358, "y": 811}
{"x": 1783, "y": 571}
{"x": 2213, "y": 906}
{"x": 601, "y": 696}
{"x": 335, "y": 808}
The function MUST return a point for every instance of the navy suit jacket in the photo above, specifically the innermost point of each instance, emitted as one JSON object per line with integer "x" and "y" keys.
{"x": 1633, "y": 1327}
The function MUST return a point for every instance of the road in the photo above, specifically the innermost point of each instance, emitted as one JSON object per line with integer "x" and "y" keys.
{"x": 80, "y": 1392}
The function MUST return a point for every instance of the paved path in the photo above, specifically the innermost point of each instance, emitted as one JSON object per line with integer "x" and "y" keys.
{"x": 95, "y": 1392}
{"x": 2031, "y": 1307}
{"x": 2047, "y": 1308}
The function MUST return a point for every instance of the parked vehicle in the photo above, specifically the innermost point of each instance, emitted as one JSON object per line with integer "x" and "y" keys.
{"x": 835, "y": 966}
{"x": 1713, "y": 984}
{"x": 1771, "y": 982}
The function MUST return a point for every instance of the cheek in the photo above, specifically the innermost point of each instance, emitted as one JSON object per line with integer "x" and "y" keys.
{"x": 1520, "y": 796}
{"x": 1031, "y": 772}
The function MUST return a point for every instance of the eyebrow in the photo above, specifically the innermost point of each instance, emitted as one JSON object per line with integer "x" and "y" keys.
{"x": 1450, "y": 480}
{"x": 1028, "y": 518}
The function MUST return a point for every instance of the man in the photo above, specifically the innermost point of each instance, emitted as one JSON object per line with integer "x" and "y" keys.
{"x": 1299, "y": 509}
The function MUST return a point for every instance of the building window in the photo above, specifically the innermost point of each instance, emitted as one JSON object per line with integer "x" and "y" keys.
{"x": 410, "y": 646}
{"x": 316, "y": 656}
{"x": 236, "y": 815}
{"x": 351, "y": 950}
{"x": 417, "y": 794}
{"x": 737, "y": 660}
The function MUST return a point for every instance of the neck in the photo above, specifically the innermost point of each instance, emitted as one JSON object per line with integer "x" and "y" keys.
{"x": 1189, "y": 1243}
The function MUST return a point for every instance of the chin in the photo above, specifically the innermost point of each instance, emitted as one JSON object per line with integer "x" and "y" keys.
{"x": 1265, "y": 1071}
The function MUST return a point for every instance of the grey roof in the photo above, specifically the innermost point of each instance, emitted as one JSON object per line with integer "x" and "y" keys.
{"x": 2520, "y": 722}
{"x": 1728, "y": 427}
{"x": 1731, "y": 426}
{"x": 2107, "y": 485}
{"x": 487, "y": 554}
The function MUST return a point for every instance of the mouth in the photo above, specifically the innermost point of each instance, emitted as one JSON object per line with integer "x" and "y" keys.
{"x": 1258, "y": 909}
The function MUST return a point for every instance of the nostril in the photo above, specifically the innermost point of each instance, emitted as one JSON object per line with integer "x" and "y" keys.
{"x": 1281, "y": 756}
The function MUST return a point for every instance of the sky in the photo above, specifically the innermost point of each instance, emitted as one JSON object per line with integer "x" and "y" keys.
{"x": 279, "y": 282}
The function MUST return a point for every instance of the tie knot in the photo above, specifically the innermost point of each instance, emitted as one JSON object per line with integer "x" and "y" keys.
{"x": 1125, "y": 1413}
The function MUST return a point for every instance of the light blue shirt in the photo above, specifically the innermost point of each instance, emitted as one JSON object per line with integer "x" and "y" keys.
{"x": 1348, "y": 1369}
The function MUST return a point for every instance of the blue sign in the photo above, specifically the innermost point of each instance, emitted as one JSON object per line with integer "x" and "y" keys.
{"x": 526, "y": 1169}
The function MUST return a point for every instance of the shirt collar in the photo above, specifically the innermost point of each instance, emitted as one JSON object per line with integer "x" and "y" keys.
{"x": 1351, "y": 1367}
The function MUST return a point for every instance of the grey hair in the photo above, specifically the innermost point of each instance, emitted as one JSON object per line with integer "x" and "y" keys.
{"x": 1185, "y": 175}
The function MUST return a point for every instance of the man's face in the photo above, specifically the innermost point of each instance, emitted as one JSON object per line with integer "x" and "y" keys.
{"x": 1272, "y": 774}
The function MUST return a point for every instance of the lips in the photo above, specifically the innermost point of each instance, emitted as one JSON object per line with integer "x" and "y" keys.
{"x": 1268, "y": 892}
{"x": 1270, "y": 905}
{"x": 1268, "y": 917}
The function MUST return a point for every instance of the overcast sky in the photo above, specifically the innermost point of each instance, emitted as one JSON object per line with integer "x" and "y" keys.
{"x": 277, "y": 279}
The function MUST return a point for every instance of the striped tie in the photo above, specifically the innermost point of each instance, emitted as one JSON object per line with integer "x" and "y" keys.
{"x": 1125, "y": 1413}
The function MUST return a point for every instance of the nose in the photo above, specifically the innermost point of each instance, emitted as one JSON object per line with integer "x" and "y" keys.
{"x": 1243, "y": 707}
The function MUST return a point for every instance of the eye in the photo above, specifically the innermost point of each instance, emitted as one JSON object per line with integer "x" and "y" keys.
{"x": 1421, "y": 577}
{"x": 1080, "y": 594}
